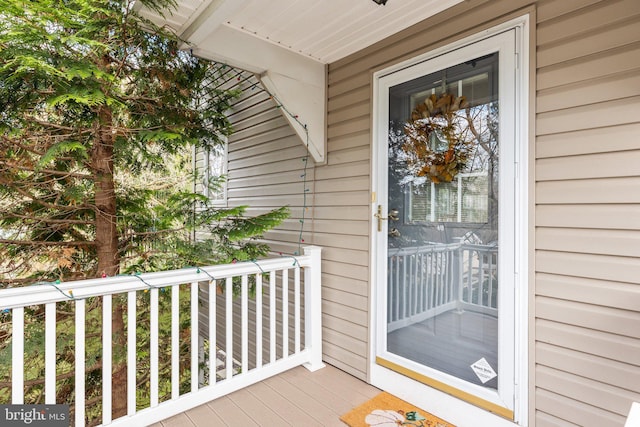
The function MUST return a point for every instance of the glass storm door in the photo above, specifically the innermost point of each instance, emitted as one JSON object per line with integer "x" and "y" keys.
{"x": 445, "y": 221}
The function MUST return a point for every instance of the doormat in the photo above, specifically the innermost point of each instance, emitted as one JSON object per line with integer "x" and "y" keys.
{"x": 387, "y": 410}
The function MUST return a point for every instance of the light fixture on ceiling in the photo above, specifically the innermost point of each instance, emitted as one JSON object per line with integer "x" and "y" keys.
{"x": 382, "y": 2}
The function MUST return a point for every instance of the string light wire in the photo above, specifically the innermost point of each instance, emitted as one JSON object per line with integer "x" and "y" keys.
{"x": 241, "y": 78}
{"x": 54, "y": 284}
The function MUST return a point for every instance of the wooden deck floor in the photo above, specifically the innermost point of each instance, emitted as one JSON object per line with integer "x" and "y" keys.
{"x": 294, "y": 398}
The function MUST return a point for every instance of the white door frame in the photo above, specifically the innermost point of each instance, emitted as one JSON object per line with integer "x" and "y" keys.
{"x": 442, "y": 404}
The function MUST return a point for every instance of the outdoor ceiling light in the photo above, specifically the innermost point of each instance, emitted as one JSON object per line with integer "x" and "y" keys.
{"x": 382, "y": 2}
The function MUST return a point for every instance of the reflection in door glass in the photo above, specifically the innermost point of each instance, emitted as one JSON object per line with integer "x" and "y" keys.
{"x": 442, "y": 287}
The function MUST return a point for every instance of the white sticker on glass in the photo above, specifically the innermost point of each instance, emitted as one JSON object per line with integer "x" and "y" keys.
{"x": 483, "y": 370}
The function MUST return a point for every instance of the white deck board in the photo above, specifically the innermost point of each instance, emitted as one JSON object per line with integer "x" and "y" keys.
{"x": 294, "y": 398}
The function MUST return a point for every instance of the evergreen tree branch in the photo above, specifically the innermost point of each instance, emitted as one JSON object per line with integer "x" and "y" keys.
{"x": 44, "y": 220}
{"x": 52, "y": 172}
{"x": 37, "y": 243}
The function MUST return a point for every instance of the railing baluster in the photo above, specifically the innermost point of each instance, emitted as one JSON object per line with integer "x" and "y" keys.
{"x": 285, "y": 313}
{"x": 131, "y": 353}
{"x": 272, "y": 317}
{"x": 419, "y": 280}
{"x": 213, "y": 340}
{"x": 80, "y": 363}
{"x": 480, "y": 276}
{"x": 434, "y": 278}
{"x": 399, "y": 283}
{"x": 486, "y": 286}
{"x": 441, "y": 273}
{"x": 420, "y": 293}
{"x": 415, "y": 284}
{"x": 390, "y": 285}
{"x": 296, "y": 305}
{"x": 50, "y": 354}
{"x": 410, "y": 285}
{"x": 439, "y": 279}
{"x": 395, "y": 291}
{"x": 258, "y": 321}
{"x": 415, "y": 289}
{"x": 154, "y": 344}
{"x": 244, "y": 300}
{"x": 449, "y": 256}
{"x": 106, "y": 358}
{"x": 448, "y": 276}
{"x": 194, "y": 337}
{"x": 444, "y": 256}
{"x": 470, "y": 275}
{"x": 403, "y": 302}
{"x": 228, "y": 293}
{"x": 154, "y": 283}
{"x": 492, "y": 279}
{"x": 17, "y": 356}
{"x": 175, "y": 345}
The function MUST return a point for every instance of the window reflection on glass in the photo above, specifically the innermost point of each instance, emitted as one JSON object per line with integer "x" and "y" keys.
{"x": 470, "y": 196}
{"x": 215, "y": 174}
{"x": 442, "y": 284}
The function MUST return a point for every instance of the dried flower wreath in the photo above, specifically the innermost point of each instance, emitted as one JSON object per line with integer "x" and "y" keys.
{"x": 434, "y": 145}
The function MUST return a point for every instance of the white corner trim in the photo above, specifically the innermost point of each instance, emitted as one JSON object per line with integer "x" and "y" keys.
{"x": 298, "y": 82}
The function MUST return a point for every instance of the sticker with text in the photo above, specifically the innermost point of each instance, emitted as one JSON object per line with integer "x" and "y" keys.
{"x": 483, "y": 370}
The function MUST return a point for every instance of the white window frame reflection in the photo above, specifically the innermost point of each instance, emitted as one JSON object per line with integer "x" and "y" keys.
{"x": 216, "y": 160}
{"x": 433, "y": 216}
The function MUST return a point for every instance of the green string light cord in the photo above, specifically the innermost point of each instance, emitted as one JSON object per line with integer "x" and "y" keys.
{"x": 54, "y": 284}
{"x": 241, "y": 78}
{"x": 305, "y": 160}
{"x": 137, "y": 276}
{"x": 199, "y": 270}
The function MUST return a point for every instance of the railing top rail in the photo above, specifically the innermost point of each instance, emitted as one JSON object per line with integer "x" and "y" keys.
{"x": 479, "y": 247}
{"x": 440, "y": 247}
{"x": 52, "y": 292}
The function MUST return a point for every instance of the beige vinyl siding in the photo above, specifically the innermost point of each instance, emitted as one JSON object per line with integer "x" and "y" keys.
{"x": 588, "y": 213}
{"x": 341, "y": 228}
{"x": 585, "y": 332}
{"x": 266, "y": 164}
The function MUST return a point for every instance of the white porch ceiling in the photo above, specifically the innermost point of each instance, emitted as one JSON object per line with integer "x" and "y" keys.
{"x": 325, "y": 30}
{"x": 288, "y": 43}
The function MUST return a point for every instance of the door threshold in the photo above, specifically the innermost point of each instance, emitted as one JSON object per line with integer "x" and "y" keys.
{"x": 446, "y": 388}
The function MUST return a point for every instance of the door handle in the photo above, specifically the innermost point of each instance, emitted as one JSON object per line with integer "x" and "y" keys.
{"x": 393, "y": 216}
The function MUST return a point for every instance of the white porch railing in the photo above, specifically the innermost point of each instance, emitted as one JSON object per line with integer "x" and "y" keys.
{"x": 425, "y": 281}
{"x": 280, "y": 327}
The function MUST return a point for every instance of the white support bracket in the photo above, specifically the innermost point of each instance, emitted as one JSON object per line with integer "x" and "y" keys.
{"x": 307, "y": 102}
{"x": 297, "y": 82}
